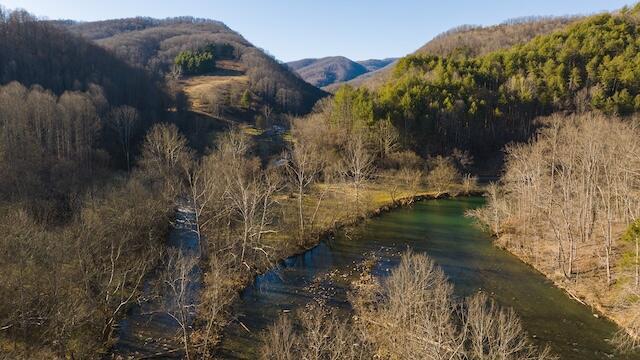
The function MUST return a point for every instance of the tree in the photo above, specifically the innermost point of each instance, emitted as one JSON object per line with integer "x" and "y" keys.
{"x": 571, "y": 186}
{"x": 195, "y": 62}
{"x": 357, "y": 163}
{"x": 412, "y": 314}
{"x": 386, "y": 138}
{"x": 179, "y": 303}
{"x": 245, "y": 100}
{"x": 443, "y": 176}
{"x": 165, "y": 156}
{"x": 267, "y": 112}
{"x": 632, "y": 236}
{"x": 123, "y": 121}
{"x": 304, "y": 165}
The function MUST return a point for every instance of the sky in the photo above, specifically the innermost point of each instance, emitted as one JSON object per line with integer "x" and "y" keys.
{"x": 296, "y": 29}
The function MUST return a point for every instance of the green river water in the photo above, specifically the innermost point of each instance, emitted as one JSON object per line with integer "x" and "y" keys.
{"x": 440, "y": 229}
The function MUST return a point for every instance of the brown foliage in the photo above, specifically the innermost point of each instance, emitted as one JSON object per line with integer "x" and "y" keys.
{"x": 410, "y": 315}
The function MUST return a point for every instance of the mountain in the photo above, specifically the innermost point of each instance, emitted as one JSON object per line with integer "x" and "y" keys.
{"x": 370, "y": 79}
{"x": 71, "y": 82}
{"x": 376, "y": 64}
{"x": 480, "y": 103}
{"x": 471, "y": 40}
{"x": 37, "y": 53}
{"x": 242, "y": 71}
{"x": 330, "y": 71}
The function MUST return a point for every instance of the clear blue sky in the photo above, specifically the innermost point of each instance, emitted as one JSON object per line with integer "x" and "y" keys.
{"x": 295, "y": 29}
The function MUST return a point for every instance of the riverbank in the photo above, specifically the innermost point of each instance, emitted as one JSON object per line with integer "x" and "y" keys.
{"x": 589, "y": 290}
{"x": 336, "y": 210}
{"x": 323, "y": 276}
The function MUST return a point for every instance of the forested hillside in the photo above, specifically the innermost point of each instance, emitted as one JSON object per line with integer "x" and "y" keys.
{"x": 481, "y": 103}
{"x": 473, "y": 40}
{"x": 81, "y": 224}
{"x": 153, "y": 45}
{"x": 65, "y": 106}
{"x": 35, "y": 52}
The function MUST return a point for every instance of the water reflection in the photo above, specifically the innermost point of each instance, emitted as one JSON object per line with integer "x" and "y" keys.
{"x": 439, "y": 228}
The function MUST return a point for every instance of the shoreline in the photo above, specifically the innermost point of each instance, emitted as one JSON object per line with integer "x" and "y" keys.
{"x": 597, "y": 309}
{"x": 340, "y": 225}
{"x": 586, "y": 299}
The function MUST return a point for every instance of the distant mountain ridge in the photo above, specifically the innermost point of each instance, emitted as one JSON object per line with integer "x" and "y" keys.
{"x": 329, "y": 71}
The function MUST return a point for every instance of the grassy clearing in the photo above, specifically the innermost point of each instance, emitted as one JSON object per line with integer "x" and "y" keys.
{"x": 198, "y": 87}
{"x": 330, "y": 206}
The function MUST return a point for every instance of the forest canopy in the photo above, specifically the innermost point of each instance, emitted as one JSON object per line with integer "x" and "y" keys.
{"x": 195, "y": 62}
{"x": 482, "y": 103}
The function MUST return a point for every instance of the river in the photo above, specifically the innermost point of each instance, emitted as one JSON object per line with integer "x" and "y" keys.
{"x": 148, "y": 331}
{"x": 468, "y": 257}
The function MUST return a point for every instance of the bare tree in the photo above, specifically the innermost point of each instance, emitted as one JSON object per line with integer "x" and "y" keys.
{"x": 320, "y": 334}
{"x": 413, "y": 315}
{"x": 179, "y": 302}
{"x": 573, "y": 187}
{"x": 281, "y": 340}
{"x": 357, "y": 163}
{"x": 304, "y": 165}
{"x": 205, "y": 191}
{"x": 267, "y": 112}
{"x": 495, "y": 333}
{"x": 165, "y": 156}
{"x": 123, "y": 121}
{"x": 443, "y": 176}
{"x": 248, "y": 191}
{"x": 386, "y": 138}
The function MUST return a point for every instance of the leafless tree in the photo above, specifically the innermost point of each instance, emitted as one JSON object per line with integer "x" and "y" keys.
{"x": 386, "y": 138}
{"x": 179, "y": 302}
{"x": 304, "y": 165}
{"x": 166, "y": 155}
{"x": 320, "y": 334}
{"x": 281, "y": 340}
{"x": 412, "y": 315}
{"x": 495, "y": 333}
{"x": 578, "y": 180}
{"x": 123, "y": 121}
{"x": 357, "y": 163}
{"x": 443, "y": 177}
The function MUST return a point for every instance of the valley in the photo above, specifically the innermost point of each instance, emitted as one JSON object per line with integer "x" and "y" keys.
{"x": 168, "y": 189}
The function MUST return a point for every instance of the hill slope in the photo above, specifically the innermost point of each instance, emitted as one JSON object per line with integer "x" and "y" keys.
{"x": 326, "y": 71}
{"x": 334, "y": 70}
{"x": 153, "y": 44}
{"x": 472, "y": 40}
{"x": 60, "y": 66}
{"x": 376, "y": 64}
{"x": 481, "y": 103}
{"x": 35, "y": 52}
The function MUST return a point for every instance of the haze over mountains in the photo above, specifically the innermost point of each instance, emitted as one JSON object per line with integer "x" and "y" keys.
{"x": 333, "y": 70}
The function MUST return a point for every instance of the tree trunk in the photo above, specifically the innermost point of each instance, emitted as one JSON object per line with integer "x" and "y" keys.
{"x": 637, "y": 262}
{"x": 301, "y": 217}
{"x": 185, "y": 336}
